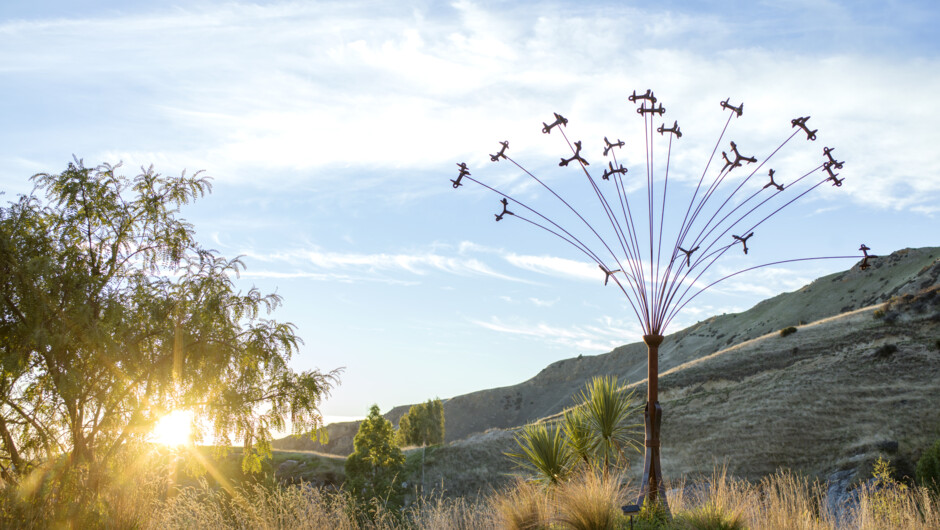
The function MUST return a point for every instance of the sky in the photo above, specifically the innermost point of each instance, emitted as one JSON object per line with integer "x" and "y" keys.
{"x": 332, "y": 129}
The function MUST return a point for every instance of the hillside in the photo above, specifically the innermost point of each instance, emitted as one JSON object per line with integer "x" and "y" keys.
{"x": 825, "y": 401}
{"x": 903, "y": 272}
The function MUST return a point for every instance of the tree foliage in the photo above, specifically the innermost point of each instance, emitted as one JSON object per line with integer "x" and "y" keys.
{"x": 423, "y": 424}
{"x": 111, "y": 315}
{"x": 928, "y": 468}
{"x": 374, "y": 469}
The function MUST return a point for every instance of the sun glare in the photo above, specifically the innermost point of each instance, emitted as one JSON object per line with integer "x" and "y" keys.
{"x": 174, "y": 429}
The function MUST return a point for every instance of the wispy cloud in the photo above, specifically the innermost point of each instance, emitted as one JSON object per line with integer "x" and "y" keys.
{"x": 351, "y": 266}
{"x": 537, "y": 302}
{"x": 605, "y": 335}
{"x": 293, "y": 88}
{"x": 555, "y": 266}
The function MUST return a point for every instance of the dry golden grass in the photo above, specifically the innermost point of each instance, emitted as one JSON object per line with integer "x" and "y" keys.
{"x": 590, "y": 501}
{"x": 779, "y": 501}
{"x": 523, "y": 507}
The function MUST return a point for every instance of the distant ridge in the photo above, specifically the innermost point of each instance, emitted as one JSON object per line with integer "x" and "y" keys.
{"x": 903, "y": 272}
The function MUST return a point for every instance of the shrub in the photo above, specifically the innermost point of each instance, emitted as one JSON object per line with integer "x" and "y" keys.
{"x": 885, "y": 351}
{"x": 928, "y": 468}
{"x": 787, "y": 331}
{"x": 653, "y": 515}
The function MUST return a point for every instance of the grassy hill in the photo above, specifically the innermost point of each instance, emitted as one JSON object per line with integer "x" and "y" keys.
{"x": 826, "y": 400}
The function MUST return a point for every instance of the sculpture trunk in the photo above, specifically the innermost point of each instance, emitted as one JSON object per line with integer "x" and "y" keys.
{"x": 652, "y": 488}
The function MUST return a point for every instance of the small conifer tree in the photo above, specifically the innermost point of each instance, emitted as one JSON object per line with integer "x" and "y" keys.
{"x": 374, "y": 469}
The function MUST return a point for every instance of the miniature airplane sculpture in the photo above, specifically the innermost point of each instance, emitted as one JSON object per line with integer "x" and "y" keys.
{"x": 576, "y": 156}
{"x": 739, "y": 110}
{"x": 501, "y": 153}
{"x": 608, "y": 172}
{"x": 499, "y": 216}
{"x": 864, "y": 265}
{"x": 608, "y": 273}
{"x": 827, "y": 152}
{"x": 651, "y": 110}
{"x": 648, "y": 96}
{"x": 801, "y": 123}
{"x": 688, "y": 255}
{"x": 559, "y": 120}
{"x": 832, "y": 176}
{"x": 610, "y": 146}
{"x": 729, "y": 165}
{"x": 743, "y": 240}
{"x": 674, "y": 129}
{"x": 772, "y": 183}
{"x": 463, "y": 173}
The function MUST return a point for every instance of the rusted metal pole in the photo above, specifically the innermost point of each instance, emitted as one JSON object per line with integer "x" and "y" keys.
{"x": 652, "y": 488}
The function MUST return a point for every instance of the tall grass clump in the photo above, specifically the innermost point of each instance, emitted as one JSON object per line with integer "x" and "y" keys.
{"x": 440, "y": 513}
{"x": 591, "y": 501}
{"x": 884, "y": 502}
{"x": 787, "y": 501}
{"x": 523, "y": 507}
{"x": 710, "y": 516}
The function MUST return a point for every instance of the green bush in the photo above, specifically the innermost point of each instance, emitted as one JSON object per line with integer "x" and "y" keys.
{"x": 654, "y": 516}
{"x": 928, "y": 468}
{"x": 787, "y": 331}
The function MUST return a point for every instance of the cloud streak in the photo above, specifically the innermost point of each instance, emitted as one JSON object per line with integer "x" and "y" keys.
{"x": 601, "y": 337}
{"x": 292, "y": 88}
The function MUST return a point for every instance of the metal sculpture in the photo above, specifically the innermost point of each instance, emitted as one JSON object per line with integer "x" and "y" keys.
{"x": 608, "y": 146}
{"x": 674, "y": 130}
{"x": 501, "y": 153}
{"x": 649, "y": 270}
{"x": 739, "y": 110}
{"x": 611, "y": 170}
{"x": 801, "y": 123}
{"x": 575, "y": 156}
{"x": 772, "y": 183}
{"x": 499, "y": 216}
{"x": 559, "y": 120}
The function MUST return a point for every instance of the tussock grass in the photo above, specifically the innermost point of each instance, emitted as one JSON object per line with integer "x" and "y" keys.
{"x": 523, "y": 507}
{"x": 783, "y": 500}
{"x": 590, "y": 502}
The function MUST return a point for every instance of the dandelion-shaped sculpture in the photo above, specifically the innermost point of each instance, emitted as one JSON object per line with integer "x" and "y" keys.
{"x": 659, "y": 273}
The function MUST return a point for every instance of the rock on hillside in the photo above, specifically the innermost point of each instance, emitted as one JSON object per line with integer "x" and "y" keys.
{"x": 551, "y": 390}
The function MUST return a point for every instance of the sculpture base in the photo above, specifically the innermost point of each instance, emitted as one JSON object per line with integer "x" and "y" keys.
{"x": 652, "y": 488}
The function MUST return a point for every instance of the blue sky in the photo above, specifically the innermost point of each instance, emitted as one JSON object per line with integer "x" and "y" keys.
{"x": 332, "y": 130}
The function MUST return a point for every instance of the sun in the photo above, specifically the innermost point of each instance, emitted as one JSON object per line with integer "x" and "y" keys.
{"x": 174, "y": 429}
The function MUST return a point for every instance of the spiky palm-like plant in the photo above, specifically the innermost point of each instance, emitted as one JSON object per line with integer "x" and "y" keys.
{"x": 543, "y": 451}
{"x": 609, "y": 412}
{"x": 660, "y": 272}
{"x": 578, "y": 434}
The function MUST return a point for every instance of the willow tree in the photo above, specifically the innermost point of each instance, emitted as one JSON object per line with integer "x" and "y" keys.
{"x": 112, "y": 315}
{"x": 658, "y": 263}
